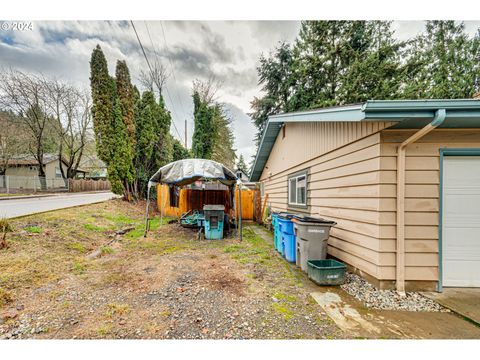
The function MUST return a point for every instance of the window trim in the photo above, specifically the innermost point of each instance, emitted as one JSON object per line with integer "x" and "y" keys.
{"x": 58, "y": 172}
{"x": 299, "y": 174}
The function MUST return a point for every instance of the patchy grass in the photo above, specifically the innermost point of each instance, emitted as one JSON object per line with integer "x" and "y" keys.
{"x": 105, "y": 250}
{"x": 61, "y": 236}
{"x": 253, "y": 249}
{"x": 33, "y": 229}
{"x": 79, "y": 267}
{"x": 78, "y": 247}
{"x": 139, "y": 230}
{"x": 93, "y": 227}
{"x": 125, "y": 289}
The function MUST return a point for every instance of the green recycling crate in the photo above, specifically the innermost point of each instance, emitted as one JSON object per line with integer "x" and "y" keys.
{"x": 326, "y": 272}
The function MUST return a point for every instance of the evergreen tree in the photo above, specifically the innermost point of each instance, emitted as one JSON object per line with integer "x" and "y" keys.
{"x": 205, "y": 127}
{"x": 120, "y": 171}
{"x": 179, "y": 151}
{"x": 103, "y": 98}
{"x": 127, "y": 97}
{"x": 241, "y": 165}
{"x": 374, "y": 70}
{"x": 112, "y": 120}
{"x": 443, "y": 63}
{"x": 275, "y": 76}
{"x": 154, "y": 144}
{"x": 223, "y": 138}
{"x": 164, "y": 143}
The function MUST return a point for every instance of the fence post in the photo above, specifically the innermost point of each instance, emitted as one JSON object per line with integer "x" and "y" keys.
{"x": 7, "y": 184}
{"x": 35, "y": 184}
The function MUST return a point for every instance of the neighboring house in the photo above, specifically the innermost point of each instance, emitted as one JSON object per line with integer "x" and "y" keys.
{"x": 24, "y": 167}
{"x": 341, "y": 163}
{"x": 244, "y": 179}
{"x": 241, "y": 175}
{"x": 95, "y": 168}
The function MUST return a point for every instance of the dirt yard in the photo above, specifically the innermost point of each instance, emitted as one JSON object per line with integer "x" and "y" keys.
{"x": 70, "y": 274}
{"x": 167, "y": 286}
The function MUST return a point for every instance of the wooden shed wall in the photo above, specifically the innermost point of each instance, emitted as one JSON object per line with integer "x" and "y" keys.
{"x": 192, "y": 199}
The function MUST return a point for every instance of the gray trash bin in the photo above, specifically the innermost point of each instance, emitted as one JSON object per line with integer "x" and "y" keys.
{"x": 312, "y": 235}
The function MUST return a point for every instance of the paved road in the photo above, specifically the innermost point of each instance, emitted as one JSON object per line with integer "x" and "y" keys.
{"x": 19, "y": 207}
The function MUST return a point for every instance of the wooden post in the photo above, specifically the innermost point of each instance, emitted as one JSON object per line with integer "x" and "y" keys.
{"x": 263, "y": 208}
{"x": 161, "y": 206}
{"x": 240, "y": 210}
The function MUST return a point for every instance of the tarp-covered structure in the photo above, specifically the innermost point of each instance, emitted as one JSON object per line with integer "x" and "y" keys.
{"x": 187, "y": 171}
{"x": 184, "y": 172}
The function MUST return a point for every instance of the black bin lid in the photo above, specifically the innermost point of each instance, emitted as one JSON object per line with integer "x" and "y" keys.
{"x": 214, "y": 207}
{"x": 285, "y": 215}
{"x": 313, "y": 220}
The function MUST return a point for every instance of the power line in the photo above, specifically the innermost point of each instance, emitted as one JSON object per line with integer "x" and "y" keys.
{"x": 171, "y": 63}
{"x": 166, "y": 88}
{"x": 169, "y": 60}
{"x": 151, "y": 72}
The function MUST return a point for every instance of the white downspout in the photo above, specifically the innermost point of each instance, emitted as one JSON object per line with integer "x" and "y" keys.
{"x": 440, "y": 115}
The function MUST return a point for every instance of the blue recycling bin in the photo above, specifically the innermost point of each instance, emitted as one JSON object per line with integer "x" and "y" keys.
{"x": 276, "y": 232}
{"x": 288, "y": 241}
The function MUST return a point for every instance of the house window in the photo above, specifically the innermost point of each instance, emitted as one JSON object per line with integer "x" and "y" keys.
{"x": 58, "y": 173}
{"x": 239, "y": 175}
{"x": 297, "y": 189}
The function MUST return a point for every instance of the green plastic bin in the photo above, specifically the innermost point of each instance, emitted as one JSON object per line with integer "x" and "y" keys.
{"x": 326, "y": 272}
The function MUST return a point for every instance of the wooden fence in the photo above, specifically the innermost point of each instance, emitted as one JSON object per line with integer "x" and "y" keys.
{"x": 79, "y": 185}
{"x": 192, "y": 199}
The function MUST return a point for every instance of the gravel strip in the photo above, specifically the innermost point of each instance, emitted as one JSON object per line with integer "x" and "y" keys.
{"x": 388, "y": 299}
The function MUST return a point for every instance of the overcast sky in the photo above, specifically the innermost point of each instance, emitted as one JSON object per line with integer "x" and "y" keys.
{"x": 226, "y": 50}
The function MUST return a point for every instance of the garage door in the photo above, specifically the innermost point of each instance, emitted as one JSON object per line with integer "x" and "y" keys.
{"x": 461, "y": 221}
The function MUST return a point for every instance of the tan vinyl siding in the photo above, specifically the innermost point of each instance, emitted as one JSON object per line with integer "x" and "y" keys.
{"x": 422, "y": 198}
{"x": 344, "y": 184}
{"x": 352, "y": 180}
{"x": 305, "y": 141}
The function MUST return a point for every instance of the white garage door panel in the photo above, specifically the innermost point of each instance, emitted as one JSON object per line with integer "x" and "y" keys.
{"x": 461, "y": 221}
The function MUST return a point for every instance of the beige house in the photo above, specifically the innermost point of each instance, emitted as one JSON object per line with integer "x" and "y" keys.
{"x": 22, "y": 172}
{"x": 400, "y": 178}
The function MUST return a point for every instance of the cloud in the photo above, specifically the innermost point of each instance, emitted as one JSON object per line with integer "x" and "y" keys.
{"x": 226, "y": 50}
{"x": 244, "y": 131}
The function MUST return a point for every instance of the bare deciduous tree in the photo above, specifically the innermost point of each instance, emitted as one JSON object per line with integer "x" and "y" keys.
{"x": 207, "y": 89}
{"x": 25, "y": 95}
{"x": 49, "y": 110}
{"x": 71, "y": 110}
{"x": 12, "y": 140}
{"x": 154, "y": 80}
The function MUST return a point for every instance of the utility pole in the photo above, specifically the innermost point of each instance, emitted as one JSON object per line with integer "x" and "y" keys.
{"x": 185, "y": 133}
